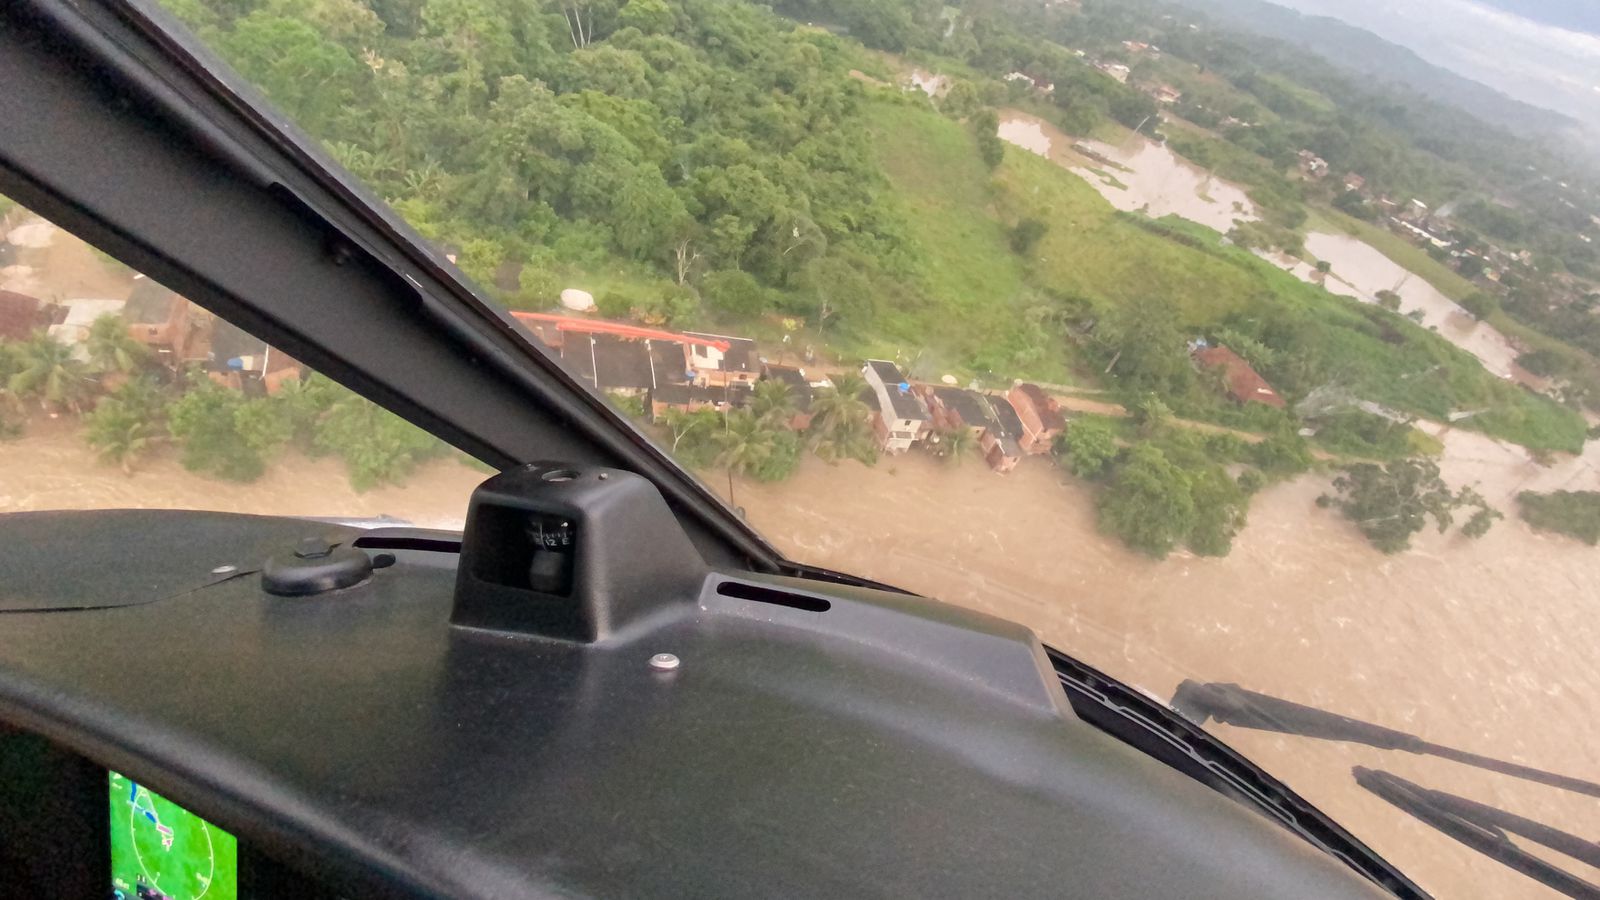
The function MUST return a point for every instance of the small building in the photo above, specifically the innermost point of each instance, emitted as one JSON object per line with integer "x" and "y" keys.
{"x": 20, "y": 315}
{"x": 1239, "y": 380}
{"x": 246, "y": 363}
{"x": 621, "y": 365}
{"x": 156, "y": 316}
{"x": 1312, "y": 165}
{"x": 1414, "y": 211}
{"x": 1166, "y": 93}
{"x": 801, "y": 391}
{"x": 1116, "y": 70}
{"x": 714, "y": 367}
{"x": 999, "y": 443}
{"x": 1040, "y": 416}
{"x": 71, "y": 319}
{"x": 688, "y": 397}
{"x": 1354, "y": 182}
{"x": 901, "y": 418}
{"x": 953, "y": 408}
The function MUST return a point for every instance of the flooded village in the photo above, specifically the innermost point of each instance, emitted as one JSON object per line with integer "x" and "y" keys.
{"x": 1464, "y": 638}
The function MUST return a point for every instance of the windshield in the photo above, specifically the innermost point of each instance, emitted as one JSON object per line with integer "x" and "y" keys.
{"x": 1219, "y": 342}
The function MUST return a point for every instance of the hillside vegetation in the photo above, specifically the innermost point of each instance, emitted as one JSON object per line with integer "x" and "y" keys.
{"x": 712, "y": 163}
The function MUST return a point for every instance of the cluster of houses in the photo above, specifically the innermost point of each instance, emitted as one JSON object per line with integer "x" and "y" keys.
{"x": 689, "y": 371}
{"x": 178, "y": 334}
{"x": 1414, "y": 221}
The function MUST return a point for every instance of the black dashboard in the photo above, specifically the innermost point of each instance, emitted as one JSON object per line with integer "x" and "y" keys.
{"x": 755, "y": 737}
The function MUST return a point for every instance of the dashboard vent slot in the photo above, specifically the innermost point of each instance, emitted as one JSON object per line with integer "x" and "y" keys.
{"x": 759, "y": 594}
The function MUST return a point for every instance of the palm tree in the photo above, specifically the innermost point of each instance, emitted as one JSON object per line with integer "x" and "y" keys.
{"x": 745, "y": 443}
{"x": 840, "y": 405}
{"x": 955, "y": 444}
{"x": 127, "y": 423}
{"x": 772, "y": 402}
{"x": 112, "y": 349}
{"x": 47, "y": 370}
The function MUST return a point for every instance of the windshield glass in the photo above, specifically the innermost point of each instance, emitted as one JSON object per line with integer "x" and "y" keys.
{"x": 1218, "y": 341}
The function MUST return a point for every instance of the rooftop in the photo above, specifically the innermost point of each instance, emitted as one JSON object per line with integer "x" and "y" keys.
{"x": 1049, "y": 417}
{"x": 741, "y": 356}
{"x": 619, "y": 363}
{"x": 904, "y": 403}
{"x": 969, "y": 405}
{"x": 1008, "y": 425}
{"x": 800, "y": 389}
{"x": 150, "y": 303}
{"x": 1244, "y": 384}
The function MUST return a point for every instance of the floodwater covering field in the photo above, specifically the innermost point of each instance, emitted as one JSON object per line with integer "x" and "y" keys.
{"x": 1136, "y": 174}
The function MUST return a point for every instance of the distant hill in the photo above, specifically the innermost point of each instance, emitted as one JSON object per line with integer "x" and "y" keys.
{"x": 1364, "y": 54}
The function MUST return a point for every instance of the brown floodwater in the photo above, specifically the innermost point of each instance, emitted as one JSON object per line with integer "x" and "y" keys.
{"x": 1359, "y": 270}
{"x": 1483, "y": 645}
{"x": 1137, "y": 174}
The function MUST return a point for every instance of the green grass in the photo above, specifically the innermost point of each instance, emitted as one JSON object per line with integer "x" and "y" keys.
{"x": 1404, "y": 253}
{"x": 973, "y": 284}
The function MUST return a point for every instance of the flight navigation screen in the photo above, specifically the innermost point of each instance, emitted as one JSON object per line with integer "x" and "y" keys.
{"x": 161, "y": 851}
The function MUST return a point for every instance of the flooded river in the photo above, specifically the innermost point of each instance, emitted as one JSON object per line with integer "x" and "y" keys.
{"x": 1486, "y": 646}
{"x": 1137, "y": 174}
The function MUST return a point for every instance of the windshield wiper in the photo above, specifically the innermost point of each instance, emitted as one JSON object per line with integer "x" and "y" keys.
{"x": 1483, "y": 828}
{"x": 1150, "y": 726}
{"x": 1477, "y": 825}
{"x": 1231, "y": 704}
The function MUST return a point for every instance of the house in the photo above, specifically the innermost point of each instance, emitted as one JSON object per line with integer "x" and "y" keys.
{"x": 72, "y": 318}
{"x": 801, "y": 391}
{"x": 242, "y": 361}
{"x": 1166, "y": 93}
{"x": 1239, "y": 380}
{"x": 20, "y": 315}
{"x": 1414, "y": 211}
{"x": 156, "y": 316}
{"x": 688, "y": 397}
{"x": 951, "y": 408}
{"x": 1312, "y": 165}
{"x": 1354, "y": 182}
{"x": 1040, "y": 416}
{"x": 621, "y": 365}
{"x": 999, "y": 443}
{"x": 1135, "y": 46}
{"x": 1116, "y": 70}
{"x": 715, "y": 367}
{"x": 901, "y": 418}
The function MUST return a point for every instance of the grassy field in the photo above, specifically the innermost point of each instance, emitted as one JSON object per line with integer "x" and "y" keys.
{"x": 974, "y": 287}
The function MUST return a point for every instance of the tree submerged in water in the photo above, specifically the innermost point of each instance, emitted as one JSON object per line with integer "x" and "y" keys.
{"x": 1392, "y": 502}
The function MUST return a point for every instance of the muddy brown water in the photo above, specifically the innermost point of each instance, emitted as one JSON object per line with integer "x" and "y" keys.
{"x": 1135, "y": 174}
{"x": 1486, "y": 646}
{"x": 1359, "y": 270}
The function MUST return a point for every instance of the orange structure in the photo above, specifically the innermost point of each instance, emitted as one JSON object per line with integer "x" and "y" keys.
{"x": 637, "y": 332}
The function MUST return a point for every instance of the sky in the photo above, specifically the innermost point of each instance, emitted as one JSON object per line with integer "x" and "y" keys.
{"x": 1543, "y": 52}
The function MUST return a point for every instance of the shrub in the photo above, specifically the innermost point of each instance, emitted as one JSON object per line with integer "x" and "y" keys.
{"x": 1572, "y": 513}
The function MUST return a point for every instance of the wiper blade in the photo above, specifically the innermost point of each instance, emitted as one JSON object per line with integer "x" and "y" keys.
{"x": 1150, "y": 726}
{"x": 1483, "y": 828}
{"x": 1231, "y": 704}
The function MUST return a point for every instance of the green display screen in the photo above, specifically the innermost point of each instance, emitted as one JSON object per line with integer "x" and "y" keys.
{"x": 161, "y": 851}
